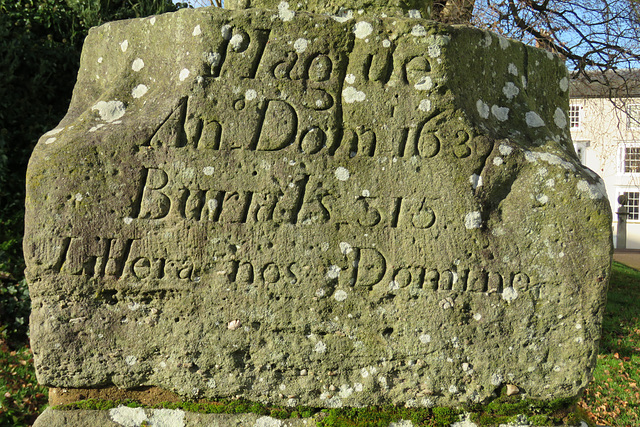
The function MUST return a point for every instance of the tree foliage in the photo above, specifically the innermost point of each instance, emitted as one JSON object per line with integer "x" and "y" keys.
{"x": 593, "y": 35}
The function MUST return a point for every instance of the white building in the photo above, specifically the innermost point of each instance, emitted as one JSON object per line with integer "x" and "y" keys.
{"x": 605, "y": 127}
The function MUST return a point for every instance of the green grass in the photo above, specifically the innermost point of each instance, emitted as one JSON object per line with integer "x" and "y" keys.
{"x": 613, "y": 398}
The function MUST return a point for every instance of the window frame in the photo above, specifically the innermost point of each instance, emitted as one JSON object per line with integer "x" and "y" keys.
{"x": 622, "y": 158}
{"x": 579, "y": 116}
{"x": 633, "y": 210}
{"x": 635, "y": 123}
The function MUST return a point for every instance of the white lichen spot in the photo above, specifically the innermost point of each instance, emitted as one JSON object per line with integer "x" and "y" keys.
{"x": 342, "y": 174}
{"x": 473, "y": 220}
{"x": 500, "y": 113}
{"x": 510, "y": 90}
{"x": 498, "y": 161}
{"x": 550, "y": 183}
{"x": 266, "y": 421}
{"x": 345, "y": 248}
{"x": 483, "y": 109}
{"x": 595, "y": 191}
{"x": 425, "y": 338}
{"x": 350, "y": 79}
{"x": 54, "y": 132}
{"x": 542, "y": 199}
{"x": 139, "y": 91}
{"x": 96, "y": 127}
{"x": 300, "y": 45}
{"x": 50, "y": 140}
{"x": 284, "y": 12}
{"x": 212, "y": 58}
{"x": 109, "y": 111}
{"x": 425, "y": 83}
{"x": 504, "y": 42}
{"x": 496, "y": 379}
{"x": 197, "y": 31}
{"x": 425, "y": 105}
{"x": 393, "y": 285}
{"x": 579, "y": 340}
{"x": 345, "y": 391}
{"x": 208, "y": 170}
{"x": 559, "y": 118}
{"x": 211, "y": 383}
{"x": 505, "y": 149}
{"x": 236, "y": 42}
{"x": 386, "y": 43}
{"x": 418, "y": 31}
{"x": 533, "y": 120}
{"x": 362, "y": 29}
{"x": 184, "y": 73}
{"x": 333, "y": 272}
{"x": 415, "y": 13}
{"x": 128, "y": 220}
{"x": 226, "y": 31}
{"x": 351, "y": 95}
{"x": 131, "y": 360}
{"x": 320, "y": 293}
{"x": 343, "y": 16}
{"x": 509, "y": 294}
{"x": 250, "y": 95}
{"x": 152, "y": 20}
{"x": 477, "y": 317}
{"x": 453, "y": 388}
{"x": 512, "y": 69}
{"x": 564, "y": 84}
{"x": 475, "y": 180}
{"x": 320, "y": 347}
{"x": 234, "y": 324}
{"x": 137, "y": 65}
{"x": 128, "y": 417}
{"x": 364, "y": 372}
{"x": 340, "y": 295}
{"x": 549, "y": 55}
{"x": 124, "y": 45}
{"x": 366, "y": 193}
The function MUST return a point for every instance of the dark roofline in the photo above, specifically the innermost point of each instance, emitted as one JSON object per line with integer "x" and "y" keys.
{"x": 610, "y": 84}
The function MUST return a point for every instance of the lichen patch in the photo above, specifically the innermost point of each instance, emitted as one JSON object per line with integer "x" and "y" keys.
{"x": 109, "y": 111}
{"x": 418, "y": 31}
{"x": 533, "y": 120}
{"x": 300, "y": 45}
{"x": 284, "y": 13}
{"x": 362, "y": 29}
{"x": 351, "y": 95}
{"x": 139, "y": 91}
{"x": 483, "y": 109}
{"x": 137, "y": 65}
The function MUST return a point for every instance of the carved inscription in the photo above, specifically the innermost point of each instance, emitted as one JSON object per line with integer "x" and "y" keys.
{"x": 270, "y": 102}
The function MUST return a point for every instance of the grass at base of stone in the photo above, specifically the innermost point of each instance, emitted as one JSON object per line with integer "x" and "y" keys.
{"x": 613, "y": 397}
{"x": 21, "y": 398}
{"x": 505, "y": 409}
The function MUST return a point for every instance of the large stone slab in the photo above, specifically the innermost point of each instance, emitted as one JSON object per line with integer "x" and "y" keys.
{"x": 304, "y": 209}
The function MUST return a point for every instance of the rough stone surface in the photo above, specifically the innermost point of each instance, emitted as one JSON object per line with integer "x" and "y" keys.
{"x": 298, "y": 209}
{"x": 135, "y": 417}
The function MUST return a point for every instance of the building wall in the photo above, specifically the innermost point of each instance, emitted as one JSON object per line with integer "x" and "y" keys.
{"x": 609, "y": 145}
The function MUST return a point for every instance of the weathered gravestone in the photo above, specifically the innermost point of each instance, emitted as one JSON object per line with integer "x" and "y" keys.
{"x": 316, "y": 209}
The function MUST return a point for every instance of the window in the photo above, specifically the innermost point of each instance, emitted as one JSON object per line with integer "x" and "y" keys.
{"x": 633, "y": 205}
{"x": 575, "y": 113}
{"x": 630, "y": 158}
{"x": 633, "y": 116}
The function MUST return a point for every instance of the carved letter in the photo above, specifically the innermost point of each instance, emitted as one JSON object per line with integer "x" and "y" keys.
{"x": 372, "y": 266}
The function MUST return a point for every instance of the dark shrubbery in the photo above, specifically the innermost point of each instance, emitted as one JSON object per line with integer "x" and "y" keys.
{"x": 40, "y": 41}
